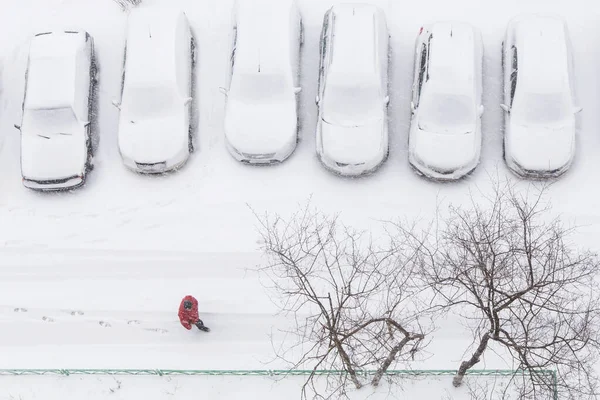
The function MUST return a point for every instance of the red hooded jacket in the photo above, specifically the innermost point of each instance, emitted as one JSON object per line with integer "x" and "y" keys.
{"x": 188, "y": 317}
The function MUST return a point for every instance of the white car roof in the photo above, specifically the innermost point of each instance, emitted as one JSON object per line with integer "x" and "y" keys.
{"x": 265, "y": 35}
{"x": 355, "y": 39}
{"x": 151, "y": 36}
{"x": 53, "y": 68}
{"x": 542, "y": 53}
{"x": 452, "y": 51}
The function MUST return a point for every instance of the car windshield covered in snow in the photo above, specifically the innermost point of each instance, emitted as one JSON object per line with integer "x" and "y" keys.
{"x": 55, "y": 120}
{"x": 349, "y": 103}
{"x": 149, "y": 102}
{"x": 446, "y": 112}
{"x": 541, "y": 108}
{"x": 260, "y": 87}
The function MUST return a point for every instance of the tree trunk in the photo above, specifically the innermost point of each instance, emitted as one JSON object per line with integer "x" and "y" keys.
{"x": 466, "y": 365}
{"x": 391, "y": 357}
{"x": 347, "y": 362}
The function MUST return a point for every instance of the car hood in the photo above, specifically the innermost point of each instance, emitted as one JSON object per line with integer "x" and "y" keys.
{"x": 445, "y": 152}
{"x": 53, "y": 156}
{"x": 353, "y": 145}
{"x": 153, "y": 140}
{"x": 260, "y": 128}
{"x": 540, "y": 148}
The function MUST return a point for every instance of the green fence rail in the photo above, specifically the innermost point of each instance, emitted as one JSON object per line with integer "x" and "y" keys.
{"x": 270, "y": 372}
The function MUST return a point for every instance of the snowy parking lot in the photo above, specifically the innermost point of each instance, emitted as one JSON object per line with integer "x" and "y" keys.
{"x": 93, "y": 278}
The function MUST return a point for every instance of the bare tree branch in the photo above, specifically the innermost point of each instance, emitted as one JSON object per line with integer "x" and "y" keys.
{"x": 354, "y": 300}
{"x": 507, "y": 265}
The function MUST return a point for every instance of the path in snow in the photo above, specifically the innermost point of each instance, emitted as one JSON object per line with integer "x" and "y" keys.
{"x": 86, "y": 309}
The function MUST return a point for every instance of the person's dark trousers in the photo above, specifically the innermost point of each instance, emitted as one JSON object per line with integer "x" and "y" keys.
{"x": 201, "y": 326}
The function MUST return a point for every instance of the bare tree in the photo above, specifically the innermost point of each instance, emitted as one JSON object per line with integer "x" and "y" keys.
{"x": 527, "y": 290}
{"x": 351, "y": 299}
{"x": 126, "y": 4}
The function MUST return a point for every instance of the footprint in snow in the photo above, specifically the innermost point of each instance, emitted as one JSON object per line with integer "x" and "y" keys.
{"x": 76, "y": 312}
{"x": 48, "y": 319}
{"x": 159, "y": 330}
{"x": 133, "y": 322}
{"x": 19, "y": 309}
{"x": 104, "y": 324}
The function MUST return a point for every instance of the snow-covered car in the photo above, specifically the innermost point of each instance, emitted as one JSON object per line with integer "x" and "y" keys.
{"x": 56, "y": 126}
{"x": 352, "y": 94}
{"x": 261, "y": 106}
{"x": 444, "y": 142}
{"x": 155, "y": 119}
{"x": 539, "y": 101}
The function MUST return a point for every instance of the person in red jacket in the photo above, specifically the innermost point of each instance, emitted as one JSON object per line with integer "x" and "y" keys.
{"x": 188, "y": 314}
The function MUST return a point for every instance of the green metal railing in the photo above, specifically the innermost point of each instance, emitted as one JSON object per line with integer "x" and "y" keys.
{"x": 270, "y": 372}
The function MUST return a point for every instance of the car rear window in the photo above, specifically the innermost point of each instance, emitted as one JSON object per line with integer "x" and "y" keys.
{"x": 150, "y": 101}
{"x": 541, "y": 108}
{"x": 447, "y": 112}
{"x": 260, "y": 87}
{"x": 58, "y": 120}
{"x": 351, "y": 104}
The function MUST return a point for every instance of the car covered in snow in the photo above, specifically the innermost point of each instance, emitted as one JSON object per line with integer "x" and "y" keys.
{"x": 444, "y": 141}
{"x": 56, "y": 126}
{"x": 261, "y": 105}
{"x": 155, "y": 119}
{"x": 352, "y": 94}
{"x": 539, "y": 101}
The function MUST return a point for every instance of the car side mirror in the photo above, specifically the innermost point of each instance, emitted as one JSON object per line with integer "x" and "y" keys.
{"x": 386, "y": 100}
{"x": 481, "y": 110}
{"x": 412, "y": 107}
{"x": 577, "y": 110}
{"x": 17, "y": 126}
{"x": 86, "y": 124}
{"x": 224, "y": 91}
{"x": 116, "y": 104}
{"x": 317, "y": 99}
{"x": 505, "y": 108}
{"x": 187, "y": 101}
{"x": 297, "y": 89}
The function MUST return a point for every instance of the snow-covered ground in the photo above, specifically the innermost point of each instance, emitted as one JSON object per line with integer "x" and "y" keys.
{"x": 212, "y": 387}
{"x": 122, "y": 251}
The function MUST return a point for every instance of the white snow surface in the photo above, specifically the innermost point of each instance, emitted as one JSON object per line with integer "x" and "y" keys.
{"x": 363, "y": 146}
{"x": 352, "y": 130}
{"x": 542, "y": 114}
{"x": 54, "y": 151}
{"x": 454, "y": 47}
{"x": 128, "y": 247}
{"x": 56, "y": 108}
{"x": 445, "y": 132}
{"x": 261, "y": 120}
{"x": 264, "y": 35}
{"x": 355, "y": 39}
{"x": 154, "y": 118}
{"x": 544, "y": 44}
{"x": 153, "y": 35}
{"x": 53, "y": 69}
